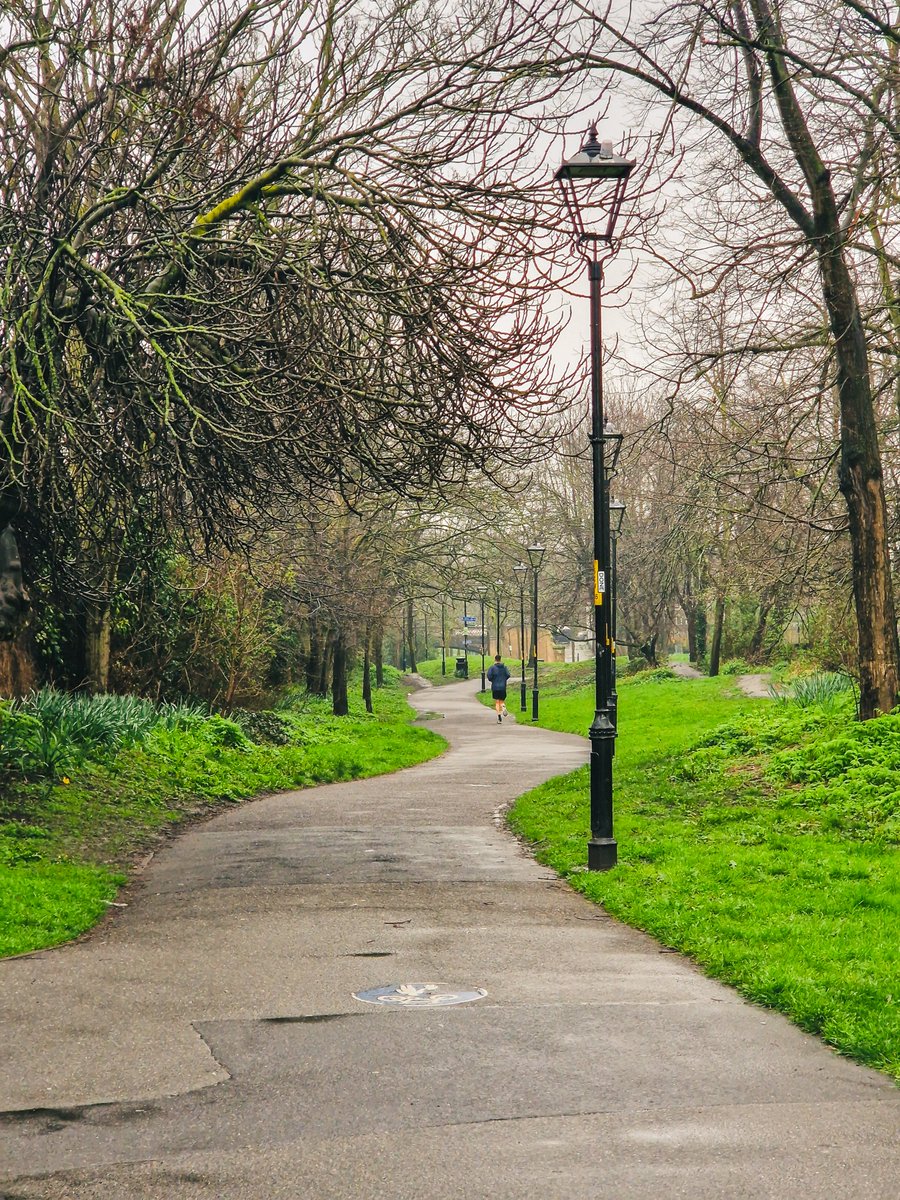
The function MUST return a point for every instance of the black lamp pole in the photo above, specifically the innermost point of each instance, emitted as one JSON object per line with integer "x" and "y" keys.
{"x": 521, "y": 571}
{"x": 497, "y": 598}
{"x": 481, "y": 589}
{"x": 616, "y": 513}
{"x": 535, "y": 557}
{"x": 597, "y": 162}
{"x": 443, "y": 635}
{"x": 466, "y": 637}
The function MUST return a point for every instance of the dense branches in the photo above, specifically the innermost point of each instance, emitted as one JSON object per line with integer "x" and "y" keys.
{"x": 254, "y": 253}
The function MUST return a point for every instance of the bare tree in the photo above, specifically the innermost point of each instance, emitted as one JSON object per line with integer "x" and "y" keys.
{"x": 789, "y": 121}
{"x": 251, "y": 252}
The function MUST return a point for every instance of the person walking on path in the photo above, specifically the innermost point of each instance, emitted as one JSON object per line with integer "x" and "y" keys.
{"x": 498, "y": 674}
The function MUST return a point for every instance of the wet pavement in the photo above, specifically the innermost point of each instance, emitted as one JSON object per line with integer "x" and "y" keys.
{"x": 209, "y": 1042}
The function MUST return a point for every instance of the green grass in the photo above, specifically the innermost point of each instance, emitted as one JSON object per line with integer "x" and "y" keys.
{"x": 66, "y": 840}
{"x": 758, "y": 838}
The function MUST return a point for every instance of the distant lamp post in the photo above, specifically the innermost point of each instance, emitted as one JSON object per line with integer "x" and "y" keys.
{"x": 616, "y": 516}
{"x": 593, "y": 184}
{"x": 465, "y": 639}
{"x": 443, "y": 635}
{"x": 498, "y": 596}
{"x": 481, "y": 589}
{"x": 521, "y": 570}
{"x": 535, "y": 557}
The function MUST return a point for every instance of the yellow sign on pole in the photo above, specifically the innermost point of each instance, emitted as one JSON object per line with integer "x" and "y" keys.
{"x": 599, "y": 583}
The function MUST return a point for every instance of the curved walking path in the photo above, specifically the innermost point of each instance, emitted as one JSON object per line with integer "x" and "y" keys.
{"x": 207, "y": 1042}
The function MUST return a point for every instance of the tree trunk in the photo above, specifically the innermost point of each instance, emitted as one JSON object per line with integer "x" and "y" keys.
{"x": 690, "y": 617}
{"x": 378, "y": 653}
{"x": 326, "y": 664}
{"x": 339, "y": 703}
{"x": 862, "y": 485}
{"x": 700, "y": 624}
{"x": 860, "y": 474}
{"x": 411, "y": 636}
{"x": 314, "y": 657}
{"x": 715, "y": 648}
{"x": 762, "y": 624}
{"x": 97, "y": 638}
{"x": 367, "y": 671}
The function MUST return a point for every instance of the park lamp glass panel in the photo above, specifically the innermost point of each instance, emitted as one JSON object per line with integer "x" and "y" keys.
{"x": 588, "y": 206}
{"x": 536, "y": 557}
{"x": 521, "y": 570}
{"x": 616, "y": 516}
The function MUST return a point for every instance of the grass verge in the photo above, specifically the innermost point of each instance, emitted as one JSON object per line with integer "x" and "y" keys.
{"x": 67, "y": 842}
{"x": 758, "y": 838}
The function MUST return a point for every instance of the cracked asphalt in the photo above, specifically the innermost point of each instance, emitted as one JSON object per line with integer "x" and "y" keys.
{"x": 207, "y": 1042}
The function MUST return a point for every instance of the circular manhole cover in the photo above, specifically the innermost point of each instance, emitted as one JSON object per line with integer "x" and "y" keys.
{"x": 419, "y": 995}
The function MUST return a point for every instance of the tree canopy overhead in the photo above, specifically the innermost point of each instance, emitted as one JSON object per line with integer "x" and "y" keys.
{"x": 255, "y": 251}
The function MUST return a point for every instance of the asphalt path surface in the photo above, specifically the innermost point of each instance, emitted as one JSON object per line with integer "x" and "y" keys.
{"x": 207, "y": 1042}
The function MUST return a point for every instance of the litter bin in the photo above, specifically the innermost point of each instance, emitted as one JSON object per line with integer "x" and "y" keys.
{"x": 462, "y": 668}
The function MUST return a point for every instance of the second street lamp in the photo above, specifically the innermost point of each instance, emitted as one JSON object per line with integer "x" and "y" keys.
{"x": 443, "y": 635}
{"x": 535, "y": 557}
{"x": 521, "y": 571}
{"x": 481, "y": 589}
{"x": 596, "y": 164}
{"x": 498, "y": 594}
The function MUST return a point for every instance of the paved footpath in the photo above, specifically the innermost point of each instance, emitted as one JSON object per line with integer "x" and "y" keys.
{"x": 207, "y": 1042}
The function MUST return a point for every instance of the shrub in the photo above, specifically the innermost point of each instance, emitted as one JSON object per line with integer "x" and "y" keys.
{"x": 823, "y": 689}
{"x": 654, "y": 675}
{"x": 735, "y": 666}
{"x": 266, "y": 728}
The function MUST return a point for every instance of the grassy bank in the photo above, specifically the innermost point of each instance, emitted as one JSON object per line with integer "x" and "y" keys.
{"x": 759, "y": 838}
{"x": 74, "y": 816}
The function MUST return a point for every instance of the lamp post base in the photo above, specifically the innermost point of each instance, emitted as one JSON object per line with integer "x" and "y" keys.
{"x": 602, "y": 854}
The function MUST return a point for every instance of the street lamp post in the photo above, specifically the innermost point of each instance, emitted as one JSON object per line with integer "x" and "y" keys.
{"x": 577, "y": 176}
{"x": 535, "y": 557}
{"x": 497, "y": 596}
{"x": 443, "y": 635}
{"x": 616, "y": 515}
{"x": 466, "y": 637}
{"x": 481, "y": 589}
{"x": 521, "y": 571}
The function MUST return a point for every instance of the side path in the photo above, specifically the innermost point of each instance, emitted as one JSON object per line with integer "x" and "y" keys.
{"x": 207, "y": 1044}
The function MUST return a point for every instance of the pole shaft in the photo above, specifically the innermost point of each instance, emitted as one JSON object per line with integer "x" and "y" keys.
{"x": 534, "y": 647}
{"x": 523, "y": 699}
{"x": 443, "y": 638}
{"x": 602, "y": 851}
{"x": 483, "y": 683}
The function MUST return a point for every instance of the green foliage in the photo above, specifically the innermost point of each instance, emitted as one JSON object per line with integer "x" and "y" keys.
{"x": 654, "y": 675}
{"x": 735, "y": 666}
{"x": 762, "y": 845}
{"x": 264, "y": 727}
{"x": 49, "y": 733}
{"x": 824, "y": 689}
